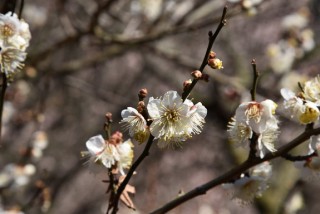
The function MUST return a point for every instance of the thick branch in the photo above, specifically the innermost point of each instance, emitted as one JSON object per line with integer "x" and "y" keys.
{"x": 202, "y": 189}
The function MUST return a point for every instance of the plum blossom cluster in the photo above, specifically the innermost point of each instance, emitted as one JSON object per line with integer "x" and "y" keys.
{"x": 304, "y": 106}
{"x": 114, "y": 153}
{"x": 297, "y": 40}
{"x": 251, "y": 184}
{"x": 172, "y": 120}
{"x": 14, "y": 40}
{"x": 255, "y": 118}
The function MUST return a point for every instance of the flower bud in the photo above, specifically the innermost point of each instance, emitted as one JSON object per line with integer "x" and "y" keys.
{"x": 143, "y": 93}
{"x": 196, "y": 74}
{"x": 186, "y": 84}
{"x": 141, "y": 106}
{"x": 212, "y": 55}
{"x": 109, "y": 117}
{"x": 215, "y": 63}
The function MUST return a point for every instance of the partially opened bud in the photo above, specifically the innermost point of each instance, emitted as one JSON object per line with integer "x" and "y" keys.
{"x": 215, "y": 63}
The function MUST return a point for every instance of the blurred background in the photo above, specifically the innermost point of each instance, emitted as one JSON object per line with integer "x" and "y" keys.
{"x": 87, "y": 58}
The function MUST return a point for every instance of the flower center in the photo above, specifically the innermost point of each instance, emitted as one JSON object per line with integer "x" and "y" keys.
{"x": 254, "y": 111}
{"x": 172, "y": 115}
{"x": 7, "y": 30}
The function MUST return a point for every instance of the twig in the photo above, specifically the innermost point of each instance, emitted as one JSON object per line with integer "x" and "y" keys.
{"x": 2, "y": 95}
{"x": 212, "y": 38}
{"x": 202, "y": 189}
{"x": 253, "y": 147}
{"x": 255, "y": 80}
{"x": 299, "y": 157}
{"x": 134, "y": 166}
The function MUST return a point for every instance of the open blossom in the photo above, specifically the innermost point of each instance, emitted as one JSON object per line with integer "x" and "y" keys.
{"x": 14, "y": 39}
{"x": 111, "y": 153}
{"x": 251, "y": 184}
{"x": 254, "y": 117}
{"x": 175, "y": 121}
{"x": 125, "y": 151}
{"x": 301, "y": 110}
{"x": 135, "y": 123}
{"x": 311, "y": 90}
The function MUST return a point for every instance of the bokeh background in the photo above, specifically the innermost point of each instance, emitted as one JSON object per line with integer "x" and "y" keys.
{"x": 87, "y": 58}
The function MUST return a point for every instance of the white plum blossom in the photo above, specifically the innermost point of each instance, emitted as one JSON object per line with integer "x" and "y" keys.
{"x": 311, "y": 90}
{"x": 251, "y": 184}
{"x": 254, "y": 117}
{"x": 175, "y": 120}
{"x": 14, "y": 39}
{"x": 109, "y": 153}
{"x": 101, "y": 151}
{"x": 125, "y": 151}
{"x": 135, "y": 123}
{"x": 299, "y": 109}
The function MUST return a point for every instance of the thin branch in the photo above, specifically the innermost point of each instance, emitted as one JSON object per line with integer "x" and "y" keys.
{"x": 2, "y": 96}
{"x": 212, "y": 38}
{"x": 134, "y": 166}
{"x": 255, "y": 80}
{"x": 202, "y": 189}
{"x": 253, "y": 147}
{"x": 299, "y": 157}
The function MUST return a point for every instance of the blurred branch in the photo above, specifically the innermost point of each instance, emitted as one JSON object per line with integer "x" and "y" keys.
{"x": 202, "y": 189}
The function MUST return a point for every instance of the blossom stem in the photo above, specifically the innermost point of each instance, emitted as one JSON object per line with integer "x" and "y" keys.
{"x": 20, "y": 9}
{"x": 2, "y": 95}
{"x": 253, "y": 146}
{"x": 134, "y": 166}
{"x": 228, "y": 176}
{"x": 212, "y": 38}
{"x": 255, "y": 80}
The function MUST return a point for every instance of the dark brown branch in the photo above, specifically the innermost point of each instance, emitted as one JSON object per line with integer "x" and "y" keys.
{"x": 2, "y": 96}
{"x": 202, "y": 189}
{"x": 299, "y": 157}
{"x": 255, "y": 80}
{"x": 134, "y": 166}
{"x": 212, "y": 38}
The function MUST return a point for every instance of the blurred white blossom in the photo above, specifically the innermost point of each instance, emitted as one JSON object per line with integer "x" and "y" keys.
{"x": 251, "y": 184}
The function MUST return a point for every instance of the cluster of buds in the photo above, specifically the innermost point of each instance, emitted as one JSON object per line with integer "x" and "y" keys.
{"x": 214, "y": 62}
{"x": 14, "y": 40}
